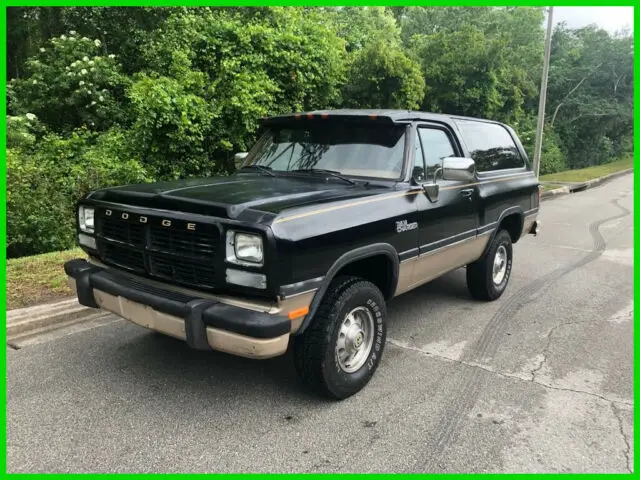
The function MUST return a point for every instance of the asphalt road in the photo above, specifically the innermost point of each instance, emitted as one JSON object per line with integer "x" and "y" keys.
{"x": 539, "y": 381}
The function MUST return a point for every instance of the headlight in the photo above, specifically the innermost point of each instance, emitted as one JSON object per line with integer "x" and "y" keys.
{"x": 86, "y": 219}
{"x": 244, "y": 248}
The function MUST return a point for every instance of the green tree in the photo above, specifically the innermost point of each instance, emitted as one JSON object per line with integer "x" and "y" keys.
{"x": 220, "y": 72}
{"x": 71, "y": 84}
{"x": 383, "y": 76}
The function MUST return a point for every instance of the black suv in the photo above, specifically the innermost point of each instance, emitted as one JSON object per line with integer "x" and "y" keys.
{"x": 328, "y": 217}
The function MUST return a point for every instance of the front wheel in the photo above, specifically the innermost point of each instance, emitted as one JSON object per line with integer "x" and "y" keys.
{"x": 341, "y": 349}
{"x": 488, "y": 277}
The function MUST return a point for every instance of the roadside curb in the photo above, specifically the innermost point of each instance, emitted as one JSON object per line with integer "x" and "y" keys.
{"x": 573, "y": 187}
{"x": 23, "y": 322}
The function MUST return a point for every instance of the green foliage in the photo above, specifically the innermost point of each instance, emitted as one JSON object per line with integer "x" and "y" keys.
{"x": 383, "y": 77}
{"x": 23, "y": 130}
{"x": 44, "y": 184}
{"x": 98, "y": 96}
{"x": 552, "y": 158}
{"x": 71, "y": 85}
{"x": 361, "y": 26}
{"x": 590, "y": 104}
{"x": 215, "y": 74}
{"x": 172, "y": 124}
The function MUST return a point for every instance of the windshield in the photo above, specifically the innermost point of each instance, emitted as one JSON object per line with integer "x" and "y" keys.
{"x": 354, "y": 149}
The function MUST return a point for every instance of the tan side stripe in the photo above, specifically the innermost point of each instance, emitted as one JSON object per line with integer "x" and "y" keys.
{"x": 388, "y": 197}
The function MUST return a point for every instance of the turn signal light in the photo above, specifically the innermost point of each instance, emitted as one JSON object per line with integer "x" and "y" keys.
{"x": 300, "y": 312}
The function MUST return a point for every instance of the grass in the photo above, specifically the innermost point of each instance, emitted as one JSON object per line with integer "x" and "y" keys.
{"x": 38, "y": 279}
{"x": 585, "y": 174}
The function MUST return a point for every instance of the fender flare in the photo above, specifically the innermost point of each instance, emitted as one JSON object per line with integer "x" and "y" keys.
{"x": 351, "y": 256}
{"x": 505, "y": 213}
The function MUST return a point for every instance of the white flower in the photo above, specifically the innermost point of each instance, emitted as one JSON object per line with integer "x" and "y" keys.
{"x": 35, "y": 82}
{"x": 97, "y": 42}
{"x": 88, "y": 92}
{"x": 72, "y": 32}
{"x": 93, "y": 69}
{"x": 43, "y": 49}
{"x": 73, "y": 39}
{"x": 74, "y": 64}
{"x": 91, "y": 62}
{"x": 85, "y": 39}
{"x": 85, "y": 59}
{"x": 83, "y": 71}
{"x": 93, "y": 103}
{"x": 30, "y": 116}
{"x": 67, "y": 68}
{"x": 63, "y": 37}
{"x": 70, "y": 74}
{"x": 81, "y": 82}
{"x": 112, "y": 55}
{"x": 101, "y": 98}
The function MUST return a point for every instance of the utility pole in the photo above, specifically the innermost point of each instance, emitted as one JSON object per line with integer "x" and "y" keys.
{"x": 543, "y": 93}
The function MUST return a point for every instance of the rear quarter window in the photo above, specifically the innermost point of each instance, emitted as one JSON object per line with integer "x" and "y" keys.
{"x": 490, "y": 146}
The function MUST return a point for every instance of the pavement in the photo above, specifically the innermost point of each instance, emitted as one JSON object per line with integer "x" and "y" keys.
{"x": 538, "y": 381}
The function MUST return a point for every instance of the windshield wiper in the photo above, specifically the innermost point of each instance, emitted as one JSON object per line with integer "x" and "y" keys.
{"x": 333, "y": 173}
{"x": 261, "y": 168}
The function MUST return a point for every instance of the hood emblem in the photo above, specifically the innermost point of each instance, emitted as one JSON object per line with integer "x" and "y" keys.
{"x": 143, "y": 219}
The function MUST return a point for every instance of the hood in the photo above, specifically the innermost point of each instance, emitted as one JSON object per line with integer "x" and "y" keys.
{"x": 235, "y": 195}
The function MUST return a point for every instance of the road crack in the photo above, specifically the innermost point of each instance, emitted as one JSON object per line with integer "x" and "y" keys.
{"x": 468, "y": 386}
{"x": 547, "y": 349}
{"x": 627, "y": 450}
{"x": 505, "y": 375}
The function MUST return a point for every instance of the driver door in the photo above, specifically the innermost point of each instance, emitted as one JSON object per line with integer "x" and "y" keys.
{"x": 449, "y": 221}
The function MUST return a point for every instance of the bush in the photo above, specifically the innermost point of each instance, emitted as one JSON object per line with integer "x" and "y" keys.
{"x": 552, "y": 158}
{"x": 69, "y": 84}
{"x": 43, "y": 186}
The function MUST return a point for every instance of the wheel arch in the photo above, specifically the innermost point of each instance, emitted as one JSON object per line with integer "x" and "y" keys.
{"x": 351, "y": 259}
{"x": 511, "y": 220}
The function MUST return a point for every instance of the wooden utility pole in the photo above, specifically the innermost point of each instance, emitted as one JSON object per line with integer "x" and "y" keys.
{"x": 543, "y": 93}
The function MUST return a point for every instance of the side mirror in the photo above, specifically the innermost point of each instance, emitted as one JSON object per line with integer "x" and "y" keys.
{"x": 239, "y": 158}
{"x": 458, "y": 168}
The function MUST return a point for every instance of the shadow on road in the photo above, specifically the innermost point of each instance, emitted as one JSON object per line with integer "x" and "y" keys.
{"x": 162, "y": 361}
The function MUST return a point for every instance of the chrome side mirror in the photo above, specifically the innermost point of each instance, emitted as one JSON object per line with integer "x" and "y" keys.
{"x": 239, "y": 158}
{"x": 458, "y": 168}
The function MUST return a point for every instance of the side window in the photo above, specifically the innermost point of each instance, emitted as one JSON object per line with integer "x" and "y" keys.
{"x": 436, "y": 146}
{"x": 490, "y": 145}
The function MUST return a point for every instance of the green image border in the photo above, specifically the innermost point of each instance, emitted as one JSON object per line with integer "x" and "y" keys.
{"x": 229, "y": 3}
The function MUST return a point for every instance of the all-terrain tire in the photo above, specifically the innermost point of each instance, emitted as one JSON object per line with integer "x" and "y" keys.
{"x": 480, "y": 278}
{"x": 315, "y": 350}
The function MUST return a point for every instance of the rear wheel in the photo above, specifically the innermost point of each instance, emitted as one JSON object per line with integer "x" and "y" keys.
{"x": 487, "y": 278}
{"x": 341, "y": 349}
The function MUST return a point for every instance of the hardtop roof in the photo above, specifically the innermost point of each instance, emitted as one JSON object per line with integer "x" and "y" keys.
{"x": 389, "y": 115}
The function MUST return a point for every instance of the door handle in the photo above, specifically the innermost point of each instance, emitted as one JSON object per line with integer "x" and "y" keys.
{"x": 467, "y": 193}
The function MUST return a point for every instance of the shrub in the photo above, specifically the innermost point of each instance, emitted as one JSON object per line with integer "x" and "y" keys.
{"x": 69, "y": 84}
{"x": 43, "y": 186}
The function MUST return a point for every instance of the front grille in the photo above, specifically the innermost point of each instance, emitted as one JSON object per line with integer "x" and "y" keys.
{"x": 176, "y": 250}
{"x": 183, "y": 270}
{"x": 123, "y": 231}
{"x": 198, "y": 243}
{"x": 123, "y": 257}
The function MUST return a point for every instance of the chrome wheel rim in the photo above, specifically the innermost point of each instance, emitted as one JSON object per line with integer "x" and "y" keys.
{"x": 500, "y": 265}
{"x": 355, "y": 339}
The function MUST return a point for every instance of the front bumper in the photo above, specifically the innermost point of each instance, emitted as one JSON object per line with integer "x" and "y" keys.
{"x": 203, "y": 323}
